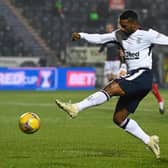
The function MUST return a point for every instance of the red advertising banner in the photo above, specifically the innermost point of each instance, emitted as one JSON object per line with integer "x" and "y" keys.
{"x": 116, "y": 4}
{"x": 80, "y": 79}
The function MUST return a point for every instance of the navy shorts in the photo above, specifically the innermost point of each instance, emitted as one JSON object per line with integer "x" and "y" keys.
{"x": 136, "y": 86}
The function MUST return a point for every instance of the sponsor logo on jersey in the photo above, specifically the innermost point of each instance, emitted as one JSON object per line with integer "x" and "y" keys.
{"x": 131, "y": 55}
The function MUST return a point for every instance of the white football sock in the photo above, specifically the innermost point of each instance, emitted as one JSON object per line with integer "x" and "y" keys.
{"x": 133, "y": 128}
{"x": 95, "y": 99}
{"x": 161, "y": 105}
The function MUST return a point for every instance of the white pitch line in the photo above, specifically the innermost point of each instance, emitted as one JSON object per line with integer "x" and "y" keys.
{"x": 50, "y": 104}
{"x": 26, "y": 104}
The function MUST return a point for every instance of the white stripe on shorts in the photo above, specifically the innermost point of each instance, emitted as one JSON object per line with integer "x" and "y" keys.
{"x": 135, "y": 75}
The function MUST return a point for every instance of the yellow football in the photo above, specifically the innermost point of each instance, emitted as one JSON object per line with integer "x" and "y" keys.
{"x": 29, "y": 122}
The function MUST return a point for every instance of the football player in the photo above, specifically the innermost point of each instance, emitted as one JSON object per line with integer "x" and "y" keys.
{"x": 132, "y": 88}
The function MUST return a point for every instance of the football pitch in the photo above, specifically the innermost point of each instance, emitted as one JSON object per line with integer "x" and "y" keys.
{"x": 91, "y": 140}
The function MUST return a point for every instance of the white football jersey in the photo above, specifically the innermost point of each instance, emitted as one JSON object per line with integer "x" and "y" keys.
{"x": 136, "y": 46}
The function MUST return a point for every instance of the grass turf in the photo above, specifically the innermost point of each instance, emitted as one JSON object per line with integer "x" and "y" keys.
{"x": 91, "y": 140}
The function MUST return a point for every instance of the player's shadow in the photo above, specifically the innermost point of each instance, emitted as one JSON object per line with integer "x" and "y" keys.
{"x": 91, "y": 152}
{"x": 163, "y": 160}
{"x": 59, "y": 164}
{"x": 103, "y": 153}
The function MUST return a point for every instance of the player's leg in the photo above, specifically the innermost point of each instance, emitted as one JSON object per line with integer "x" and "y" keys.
{"x": 125, "y": 106}
{"x": 115, "y": 68}
{"x": 130, "y": 125}
{"x": 111, "y": 69}
{"x": 97, "y": 98}
{"x": 158, "y": 96}
{"x": 114, "y": 88}
{"x": 107, "y": 72}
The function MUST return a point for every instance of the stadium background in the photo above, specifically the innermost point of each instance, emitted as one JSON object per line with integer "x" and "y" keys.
{"x": 35, "y": 35}
{"x": 38, "y": 32}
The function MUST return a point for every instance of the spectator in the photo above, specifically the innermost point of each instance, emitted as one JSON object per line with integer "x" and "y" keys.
{"x": 93, "y": 18}
{"x": 59, "y": 8}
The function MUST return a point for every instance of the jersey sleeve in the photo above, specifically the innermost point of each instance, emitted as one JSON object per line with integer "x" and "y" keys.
{"x": 158, "y": 38}
{"x": 101, "y": 49}
{"x": 98, "y": 38}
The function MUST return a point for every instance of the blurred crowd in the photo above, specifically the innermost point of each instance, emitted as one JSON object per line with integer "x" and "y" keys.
{"x": 55, "y": 20}
{"x": 10, "y": 43}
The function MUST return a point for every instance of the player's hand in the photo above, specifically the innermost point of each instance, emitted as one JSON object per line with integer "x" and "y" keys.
{"x": 75, "y": 36}
{"x": 122, "y": 73}
{"x": 123, "y": 70}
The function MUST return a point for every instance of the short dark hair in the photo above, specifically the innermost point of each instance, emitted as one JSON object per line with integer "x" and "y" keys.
{"x": 130, "y": 15}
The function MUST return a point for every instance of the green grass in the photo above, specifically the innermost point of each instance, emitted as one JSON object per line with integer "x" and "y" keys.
{"x": 91, "y": 140}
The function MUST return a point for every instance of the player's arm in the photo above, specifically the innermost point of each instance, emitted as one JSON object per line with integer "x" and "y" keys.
{"x": 123, "y": 66}
{"x": 94, "y": 38}
{"x": 122, "y": 57}
{"x": 158, "y": 38}
{"x": 101, "y": 49}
